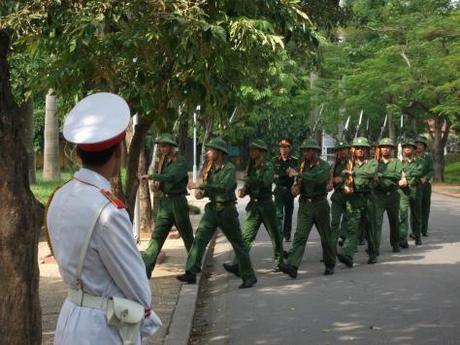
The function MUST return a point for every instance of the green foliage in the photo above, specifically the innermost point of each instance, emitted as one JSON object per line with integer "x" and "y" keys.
{"x": 43, "y": 189}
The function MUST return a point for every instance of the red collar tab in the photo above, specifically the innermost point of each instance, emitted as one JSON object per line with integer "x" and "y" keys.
{"x": 103, "y": 145}
{"x": 117, "y": 202}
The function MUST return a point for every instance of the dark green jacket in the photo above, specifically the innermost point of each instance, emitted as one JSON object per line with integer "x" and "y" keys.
{"x": 428, "y": 166}
{"x": 314, "y": 179}
{"x": 339, "y": 167}
{"x": 174, "y": 176}
{"x": 280, "y": 166}
{"x": 363, "y": 175}
{"x": 221, "y": 183}
{"x": 389, "y": 175}
{"x": 259, "y": 181}
{"x": 413, "y": 171}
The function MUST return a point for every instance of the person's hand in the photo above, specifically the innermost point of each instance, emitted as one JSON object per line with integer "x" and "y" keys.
{"x": 295, "y": 190}
{"x": 151, "y": 325}
{"x": 423, "y": 180}
{"x": 402, "y": 183}
{"x": 199, "y": 194}
{"x": 347, "y": 172}
{"x": 241, "y": 193}
{"x": 291, "y": 172}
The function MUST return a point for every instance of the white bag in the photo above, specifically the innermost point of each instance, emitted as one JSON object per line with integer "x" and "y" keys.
{"x": 126, "y": 316}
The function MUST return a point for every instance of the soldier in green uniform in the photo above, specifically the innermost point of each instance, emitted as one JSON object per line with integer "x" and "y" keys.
{"x": 171, "y": 181}
{"x": 361, "y": 210}
{"x": 284, "y": 201}
{"x": 339, "y": 198}
{"x": 311, "y": 184}
{"x": 261, "y": 208}
{"x": 219, "y": 186}
{"x": 411, "y": 194}
{"x": 386, "y": 192}
{"x": 428, "y": 173}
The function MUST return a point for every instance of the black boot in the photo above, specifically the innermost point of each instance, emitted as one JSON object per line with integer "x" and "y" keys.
{"x": 372, "y": 260}
{"x": 290, "y": 270}
{"x": 396, "y": 249}
{"x": 232, "y": 268}
{"x": 346, "y": 260}
{"x": 418, "y": 241}
{"x": 188, "y": 277}
{"x": 329, "y": 271}
{"x": 248, "y": 283}
{"x": 404, "y": 244}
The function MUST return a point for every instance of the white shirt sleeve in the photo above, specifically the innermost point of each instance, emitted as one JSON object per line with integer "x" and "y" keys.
{"x": 121, "y": 257}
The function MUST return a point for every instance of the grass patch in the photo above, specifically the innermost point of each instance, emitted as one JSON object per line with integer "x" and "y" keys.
{"x": 452, "y": 173}
{"x": 43, "y": 189}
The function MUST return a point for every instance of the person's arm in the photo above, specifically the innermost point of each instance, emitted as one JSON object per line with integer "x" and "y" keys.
{"x": 429, "y": 167}
{"x": 226, "y": 180}
{"x": 176, "y": 172}
{"x": 319, "y": 175}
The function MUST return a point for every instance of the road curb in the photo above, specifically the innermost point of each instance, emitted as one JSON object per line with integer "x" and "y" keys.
{"x": 180, "y": 327}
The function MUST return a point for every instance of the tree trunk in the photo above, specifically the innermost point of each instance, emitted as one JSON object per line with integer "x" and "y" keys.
{"x": 439, "y": 135}
{"x": 391, "y": 127}
{"x": 134, "y": 150}
{"x": 144, "y": 196}
{"x": 154, "y": 197}
{"x": 27, "y": 108}
{"x": 51, "y": 148}
{"x": 20, "y": 312}
{"x": 183, "y": 134}
{"x": 207, "y": 137}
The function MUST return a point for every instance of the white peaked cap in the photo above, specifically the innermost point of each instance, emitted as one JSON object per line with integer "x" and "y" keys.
{"x": 97, "y": 122}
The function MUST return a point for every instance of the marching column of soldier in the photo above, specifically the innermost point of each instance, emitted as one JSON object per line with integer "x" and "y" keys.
{"x": 109, "y": 297}
{"x": 364, "y": 188}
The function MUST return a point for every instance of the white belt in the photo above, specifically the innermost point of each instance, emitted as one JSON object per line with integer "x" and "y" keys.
{"x": 84, "y": 299}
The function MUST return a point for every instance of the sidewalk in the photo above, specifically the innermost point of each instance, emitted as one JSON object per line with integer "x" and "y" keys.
{"x": 446, "y": 189}
{"x": 167, "y": 291}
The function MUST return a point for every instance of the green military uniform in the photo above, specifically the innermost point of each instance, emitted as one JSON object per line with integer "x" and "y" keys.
{"x": 361, "y": 210}
{"x": 411, "y": 197}
{"x": 387, "y": 196}
{"x": 173, "y": 206}
{"x": 220, "y": 212}
{"x": 313, "y": 210}
{"x": 284, "y": 201}
{"x": 261, "y": 208}
{"x": 339, "y": 199}
{"x": 428, "y": 173}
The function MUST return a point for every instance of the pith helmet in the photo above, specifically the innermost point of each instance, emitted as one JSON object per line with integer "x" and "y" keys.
{"x": 166, "y": 138}
{"x": 408, "y": 142}
{"x": 341, "y": 145}
{"x": 360, "y": 142}
{"x": 386, "y": 142}
{"x": 310, "y": 143}
{"x": 422, "y": 139}
{"x": 285, "y": 142}
{"x": 218, "y": 144}
{"x": 258, "y": 144}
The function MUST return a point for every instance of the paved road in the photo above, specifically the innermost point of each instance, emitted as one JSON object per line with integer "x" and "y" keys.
{"x": 408, "y": 298}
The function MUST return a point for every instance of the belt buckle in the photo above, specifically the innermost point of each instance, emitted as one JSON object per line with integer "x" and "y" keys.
{"x": 388, "y": 193}
{"x": 310, "y": 199}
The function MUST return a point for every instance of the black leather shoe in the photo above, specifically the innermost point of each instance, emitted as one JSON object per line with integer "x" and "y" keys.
{"x": 425, "y": 235}
{"x": 396, "y": 249}
{"x": 232, "y": 268}
{"x": 287, "y": 239}
{"x": 418, "y": 242}
{"x": 341, "y": 241}
{"x": 285, "y": 254}
{"x": 362, "y": 242}
{"x": 404, "y": 244}
{"x": 372, "y": 260}
{"x": 248, "y": 283}
{"x": 276, "y": 268}
{"x": 412, "y": 236}
{"x": 290, "y": 270}
{"x": 346, "y": 260}
{"x": 188, "y": 277}
{"x": 329, "y": 271}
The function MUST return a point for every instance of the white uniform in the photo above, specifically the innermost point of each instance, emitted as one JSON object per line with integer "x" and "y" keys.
{"x": 112, "y": 267}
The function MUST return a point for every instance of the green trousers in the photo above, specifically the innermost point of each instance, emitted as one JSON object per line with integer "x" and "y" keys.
{"x": 339, "y": 221}
{"x": 284, "y": 203}
{"x": 171, "y": 211}
{"x": 411, "y": 198}
{"x": 309, "y": 214}
{"x": 361, "y": 217}
{"x": 426, "y": 205}
{"x": 226, "y": 218}
{"x": 388, "y": 202}
{"x": 258, "y": 213}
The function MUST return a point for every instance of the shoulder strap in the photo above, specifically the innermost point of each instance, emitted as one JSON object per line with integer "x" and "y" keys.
{"x": 85, "y": 245}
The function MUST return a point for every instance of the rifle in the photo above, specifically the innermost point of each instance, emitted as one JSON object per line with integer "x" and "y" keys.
{"x": 358, "y": 126}
{"x": 330, "y": 185}
{"x": 382, "y": 130}
{"x": 317, "y": 122}
{"x": 401, "y": 127}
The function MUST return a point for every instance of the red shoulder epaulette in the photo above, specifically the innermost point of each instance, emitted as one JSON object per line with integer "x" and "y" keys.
{"x": 113, "y": 199}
